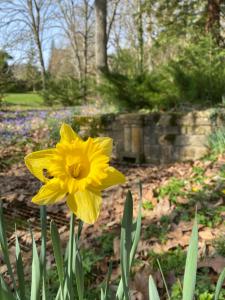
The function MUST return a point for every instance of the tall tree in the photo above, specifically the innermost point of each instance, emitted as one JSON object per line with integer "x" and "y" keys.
{"x": 213, "y": 25}
{"x": 76, "y": 22}
{"x": 188, "y": 16}
{"x": 140, "y": 37}
{"x": 32, "y": 75}
{"x": 27, "y": 21}
{"x": 101, "y": 37}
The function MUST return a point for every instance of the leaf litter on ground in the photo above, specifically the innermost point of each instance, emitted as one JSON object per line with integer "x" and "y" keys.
{"x": 167, "y": 219}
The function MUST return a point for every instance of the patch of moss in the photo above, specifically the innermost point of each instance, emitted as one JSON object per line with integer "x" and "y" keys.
{"x": 95, "y": 125}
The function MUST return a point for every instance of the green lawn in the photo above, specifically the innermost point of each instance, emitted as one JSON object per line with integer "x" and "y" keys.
{"x": 24, "y": 100}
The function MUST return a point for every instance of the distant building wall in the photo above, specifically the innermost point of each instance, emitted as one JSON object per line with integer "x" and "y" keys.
{"x": 155, "y": 137}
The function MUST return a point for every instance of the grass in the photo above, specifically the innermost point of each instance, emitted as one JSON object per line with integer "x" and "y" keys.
{"x": 26, "y": 100}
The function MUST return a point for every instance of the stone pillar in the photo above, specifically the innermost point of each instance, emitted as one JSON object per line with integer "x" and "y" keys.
{"x": 127, "y": 138}
{"x": 137, "y": 139}
{"x": 133, "y": 137}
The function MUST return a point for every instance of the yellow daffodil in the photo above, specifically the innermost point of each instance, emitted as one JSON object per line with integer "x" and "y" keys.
{"x": 75, "y": 170}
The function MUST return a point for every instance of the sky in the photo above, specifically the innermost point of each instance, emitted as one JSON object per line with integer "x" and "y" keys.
{"x": 18, "y": 42}
{"x": 16, "y": 37}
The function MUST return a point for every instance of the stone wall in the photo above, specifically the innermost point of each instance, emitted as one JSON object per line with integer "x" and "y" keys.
{"x": 155, "y": 137}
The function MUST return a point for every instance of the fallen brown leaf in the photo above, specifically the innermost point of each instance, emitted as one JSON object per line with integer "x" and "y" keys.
{"x": 216, "y": 263}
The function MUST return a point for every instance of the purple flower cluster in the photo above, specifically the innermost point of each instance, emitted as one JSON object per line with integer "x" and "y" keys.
{"x": 17, "y": 125}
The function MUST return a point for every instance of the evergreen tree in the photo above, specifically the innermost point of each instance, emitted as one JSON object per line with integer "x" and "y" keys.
{"x": 32, "y": 74}
{"x": 187, "y": 18}
{"x": 5, "y": 73}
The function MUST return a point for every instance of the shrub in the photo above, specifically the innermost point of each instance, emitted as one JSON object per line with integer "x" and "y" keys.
{"x": 64, "y": 90}
{"x": 148, "y": 91}
{"x": 199, "y": 72}
{"x": 5, "y": 74}
{"x": 216, "y": 141}
{"x": 195, "y": 76}
{"x": 124, "y": 62}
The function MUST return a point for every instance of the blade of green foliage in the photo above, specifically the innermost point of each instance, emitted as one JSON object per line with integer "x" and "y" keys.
{"x": 104, "y": 293}
{"x": 57, "y": 254}
{"x": 164, "y": 281}
{"x": 5, "y": 295}
{"x": 135, "y": 239}
{"x": 191, "y": 265}
{"x": 137, "y": 233}
{"x": 20, "y": 271}
{"x": 219, "y": 284}
{"x": 153, "y": 293}
{"x": 43, "y": 250}
{"x": 69, "y": 274}
{"x": 65, "y": 287}
{"x": 5, "y": 292}
{"x": 77, "y": 266}
{"x": 80, "y": 227}
{"x": 126, "y": 242}
{"x": 77, "y": 263}
{"x": 36, "y": 273}
{"x": 79, "y": 274}
{"x": 4, "y": 247}
{"x": 59, "y": 294}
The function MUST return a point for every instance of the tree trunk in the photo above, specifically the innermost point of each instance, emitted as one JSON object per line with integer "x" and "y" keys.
{"x": 213, "y": 19}
{"x": 36, "y": 26}
{"x": 41, "y": 59}
{"x": 85, "y": 51}
{"x": 100, "y": 38}
{"x": 140, "y": 38}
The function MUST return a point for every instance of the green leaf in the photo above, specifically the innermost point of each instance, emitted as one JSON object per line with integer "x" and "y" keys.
{"x": 43, "y": 250}
{"x": 36, "y": 273}
{"x": 4, "y": 247}
{"x": 126, "y": 242}
{"x": 77, "y": 263}
{"x": 5, "y": 292}
{"x": 104, "y": 294}
{"x": 79, "y": 274}
{"x": 20, "y": 271}
{"x": 80, "y": 227}
{"x": 66, "y": 277}
{"x": 164, "y": 281}
{"x": 136, "y": 228}
{"x": 137, "y": 233}
{"x": 5, "y": 295}
{"x": 59, "y": 294}
{"x": 191, "y": 265}
{"x": 57, "y": 253}
{"x": 153, "y": 293}
{"x": 219, "y": 284}
{"x": 69, "y": 274}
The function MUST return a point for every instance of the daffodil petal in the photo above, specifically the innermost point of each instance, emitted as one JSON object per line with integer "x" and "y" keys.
{"x": 105, "y": 144}
{"x": 38, "y": 161}
{"x": 49, "y": 193}
{"x": 67, "y": 134}
{"x": 114, "y": 177}
{"x": 85, "y": 205}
